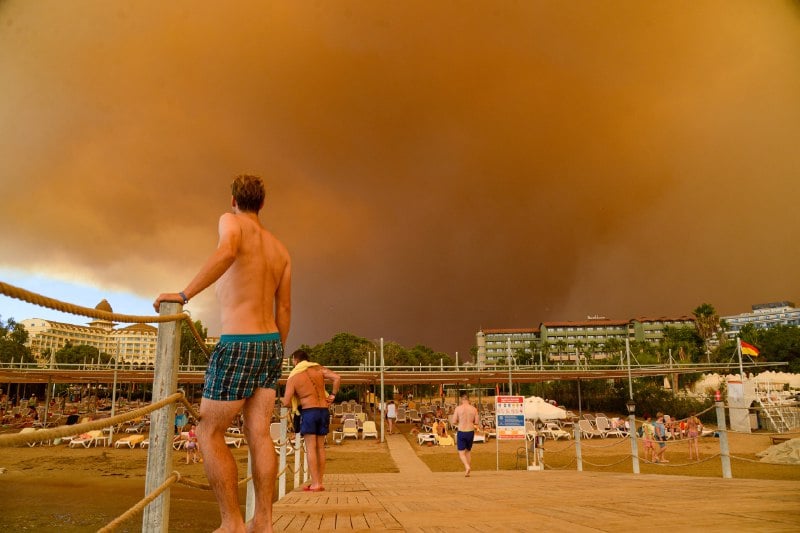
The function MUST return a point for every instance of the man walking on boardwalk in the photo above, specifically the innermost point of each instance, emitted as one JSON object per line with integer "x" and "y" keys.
{"x": 253, "y": 273}
{"x": 305, "y": 389}
{"x": 466, "y": 419}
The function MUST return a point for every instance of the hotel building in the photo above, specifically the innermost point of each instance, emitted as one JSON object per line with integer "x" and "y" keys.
{"x": 764, "y": 316}
{"x": 561, "y": 340}
{"x": 135, "y": 344}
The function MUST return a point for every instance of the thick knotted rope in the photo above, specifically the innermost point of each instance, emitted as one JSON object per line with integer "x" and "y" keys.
{"x": 58, "y": 305}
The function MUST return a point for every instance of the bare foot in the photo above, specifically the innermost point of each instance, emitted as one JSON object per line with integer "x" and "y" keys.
{"x": 467, "y": 472}
{"x": 251, "y": 527}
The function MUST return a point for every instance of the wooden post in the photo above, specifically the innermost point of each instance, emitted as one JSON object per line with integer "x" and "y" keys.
{"x": 162, "y": 421}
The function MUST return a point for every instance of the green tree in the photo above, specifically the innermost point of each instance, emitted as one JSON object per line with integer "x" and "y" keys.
{"x": 77, "y": 354}
{"x": 779, "y": 343}
{"x": 614, "y": 348}
{"x": 523, "y": 356}
{"x": 189, "y": 344}
{"x": 13, "y": 337}
{"x": 685, "y": 343}
{"x": 561, "y": 346}
{"x": 344, "y": 349}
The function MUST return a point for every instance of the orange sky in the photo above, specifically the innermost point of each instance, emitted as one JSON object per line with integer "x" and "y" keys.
{"x": 433, "y": 167}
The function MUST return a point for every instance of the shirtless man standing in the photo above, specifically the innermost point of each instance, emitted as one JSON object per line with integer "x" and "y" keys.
{"x": 306, "y": 387}
{"x": 466, "y": 419}
{"x": 253, "y": 275}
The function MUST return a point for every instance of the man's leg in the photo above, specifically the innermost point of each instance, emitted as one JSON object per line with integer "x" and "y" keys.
{"x": 220, "y": 467}
{"x": 312, "y": 444}
{"x": 257, "y": 416}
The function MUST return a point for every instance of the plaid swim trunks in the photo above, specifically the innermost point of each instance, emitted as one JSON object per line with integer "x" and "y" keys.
{"x": 240, "y": 364}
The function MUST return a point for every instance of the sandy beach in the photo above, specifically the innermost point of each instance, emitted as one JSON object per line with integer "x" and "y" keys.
{"x": 46, "y": 488}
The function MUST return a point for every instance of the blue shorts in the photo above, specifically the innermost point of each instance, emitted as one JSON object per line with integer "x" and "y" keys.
{"x": 240, "y": 364}
{"x": 464, "y": 440}
{"x": 314, "y": 421}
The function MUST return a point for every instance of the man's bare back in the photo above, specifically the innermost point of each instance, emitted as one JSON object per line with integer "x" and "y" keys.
{"x": 309, "y": 386}
{"x": 466, "y": 417}
{"x": 248, "y": 290}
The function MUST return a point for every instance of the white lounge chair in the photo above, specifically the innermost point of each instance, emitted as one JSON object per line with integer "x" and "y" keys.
{"x": 480, "y": 436}
{"x": 130, "y": 441}
{"x": 137, "y": 428}
{"x": 589, "y": 431}
{"x": 369, "y": 429}
{"x": 530, "y": 430}
{"x": 87, "y": 439}
{"x": 603, "y": 424}
{"x": 30, "y": 430}
{"x": 422, "y": 438}
{"x": 350, "y": 428}
{"x": 554, "y": 432}
{"x": 234, "y": 441}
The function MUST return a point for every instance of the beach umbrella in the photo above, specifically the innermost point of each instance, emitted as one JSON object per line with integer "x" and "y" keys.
{"x": 536, "y": 408}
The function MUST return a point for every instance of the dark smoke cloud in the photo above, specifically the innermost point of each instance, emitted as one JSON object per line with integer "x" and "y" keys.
{"x": 433, "y": 168}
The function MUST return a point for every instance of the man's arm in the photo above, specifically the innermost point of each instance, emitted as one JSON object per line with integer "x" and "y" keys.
{"x": 215, "y": 266}
{"x": 283, "y": 302}
{"x": 288, "y": 393}
{"x": 333, "y": 377}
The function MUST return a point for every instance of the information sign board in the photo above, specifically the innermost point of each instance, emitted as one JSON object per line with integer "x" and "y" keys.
{"x": 509, "y": 417}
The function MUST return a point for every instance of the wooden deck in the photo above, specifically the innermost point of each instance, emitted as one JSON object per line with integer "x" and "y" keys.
{"x": 417, "y": 500}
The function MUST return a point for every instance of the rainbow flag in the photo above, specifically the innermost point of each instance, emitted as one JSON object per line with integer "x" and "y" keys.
{"x": 749, "y": 349}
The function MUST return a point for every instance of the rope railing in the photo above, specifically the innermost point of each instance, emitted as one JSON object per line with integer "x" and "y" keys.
{"x": 66, "y": 307}
{"x": 569, "y": 464}
{"x": 626, "y": 458}
{"x": 670, "y": 464}
{"x": 139, "y": 507}
{"x": 617, "y": 442}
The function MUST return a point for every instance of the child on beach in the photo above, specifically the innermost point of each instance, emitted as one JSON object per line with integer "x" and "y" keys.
{"x": 648, "y": 437}
{"x": 191, "y": 446}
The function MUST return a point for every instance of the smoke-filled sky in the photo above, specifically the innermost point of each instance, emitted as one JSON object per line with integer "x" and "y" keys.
{"x": 433, "y": 167}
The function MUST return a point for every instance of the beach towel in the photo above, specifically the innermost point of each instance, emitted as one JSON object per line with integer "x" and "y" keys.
{"x": 301, "y": 367}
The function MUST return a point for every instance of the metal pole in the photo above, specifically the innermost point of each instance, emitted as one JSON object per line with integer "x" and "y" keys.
{"x": 578, "y": 456}
{"x": 114, "y": 397}
{"x": 630, "y": 380}
{"x": 382, "y": 410}
{"x": 632, "y": 416}
{"x": 739, "y": 351}
{"x": 724, "y": 451}
{"x": 159, "y": 454}
{"x": 508, "y": 357}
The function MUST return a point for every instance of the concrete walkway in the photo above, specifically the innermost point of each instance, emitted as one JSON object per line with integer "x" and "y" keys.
{"x": 417, "y": 500}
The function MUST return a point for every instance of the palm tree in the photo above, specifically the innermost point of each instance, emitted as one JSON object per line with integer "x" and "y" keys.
{"x": 707, "y": 322}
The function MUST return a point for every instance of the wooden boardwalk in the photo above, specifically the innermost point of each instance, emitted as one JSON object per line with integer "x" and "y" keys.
{"x": 417, "y": 500}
